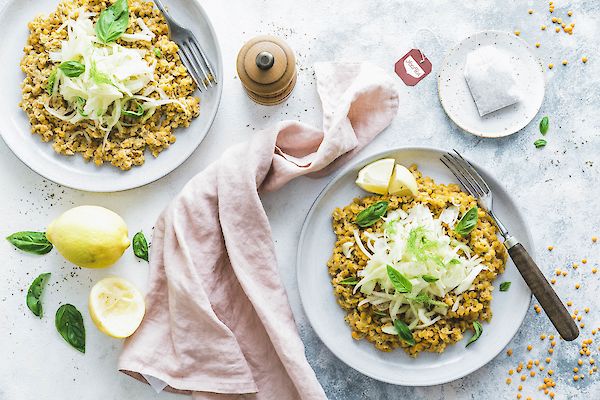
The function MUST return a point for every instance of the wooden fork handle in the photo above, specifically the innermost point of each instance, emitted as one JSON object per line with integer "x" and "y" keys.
{"x": 543, "y": 292}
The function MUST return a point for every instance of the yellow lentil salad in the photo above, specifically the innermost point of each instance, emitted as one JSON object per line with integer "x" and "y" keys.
{"x": 372, "y": 319}
{"x": 125, "y": 92}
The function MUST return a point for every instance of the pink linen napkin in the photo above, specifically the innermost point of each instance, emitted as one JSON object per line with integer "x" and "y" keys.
{"x": 218, "y": 324}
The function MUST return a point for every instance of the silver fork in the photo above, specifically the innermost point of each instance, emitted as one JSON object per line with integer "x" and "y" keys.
{"x": 190, "y": 51}
{"x": 477, "y": 187}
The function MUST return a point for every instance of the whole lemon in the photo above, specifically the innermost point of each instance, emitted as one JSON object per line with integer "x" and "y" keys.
{"x": 89, "y": 236}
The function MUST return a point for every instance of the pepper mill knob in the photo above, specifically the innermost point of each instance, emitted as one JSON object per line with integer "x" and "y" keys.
{"x": 266, "y": 66}
{"x": 265, "y": 60}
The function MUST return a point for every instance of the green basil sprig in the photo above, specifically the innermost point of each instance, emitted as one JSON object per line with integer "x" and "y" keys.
{"x": 157, "y": 52}
{"x": 349, "y": 281}
{"x": 424, "y": 298}
{"x": 140, "y": 246}
{"x": 540, "y": 143}
{"x": 35, "y": 292}
{"x": 69, "y": 323}
{"x": 544, "y": 125}
{"x": 504, "y": 286}
{"x": 370, "y": 215}
{"x": 51, "y": 81}
{"x": 404, "y": 332}
{"x": 400, "y": 282}
{"x": 478, "y": 330}
{"x": 113, "y": 22}
{"x": 72, "y": 69}
{"x": 468, "y": 222}
{"x": 31, "y": 242}
{"x": 430, "y": 278}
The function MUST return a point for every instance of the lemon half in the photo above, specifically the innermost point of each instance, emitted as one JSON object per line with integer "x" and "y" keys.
{"x": 116, "y": 307}
{"x": 403, "y": 182}
{"x": 375, "y": 177}
{"x": 89, "y": 236}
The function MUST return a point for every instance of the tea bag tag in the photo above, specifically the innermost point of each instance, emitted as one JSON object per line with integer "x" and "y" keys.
{"x": 413, "y": 67}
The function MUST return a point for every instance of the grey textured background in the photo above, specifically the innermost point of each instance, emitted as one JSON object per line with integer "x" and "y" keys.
{"x": 557, "y": 188}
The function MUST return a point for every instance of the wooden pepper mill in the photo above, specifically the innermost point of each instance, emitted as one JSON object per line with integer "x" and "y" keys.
{"x": 266, "y": 66}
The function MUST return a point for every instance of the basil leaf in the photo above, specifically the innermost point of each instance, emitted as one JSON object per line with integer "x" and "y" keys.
{"x": 140, "y": 246}
{"x": 544, "y": 125}
{"x": 478, "y": 330}
{"x": 35, "y": 292}
{"x": 72, "y": 69}
{"x": 51, "y": 81}
{"x": 135, "y": 114}
{"x": 349, "y": 281}
{"x": 31, "y": 242}
{"x": 401, "y": 284}
{"x": 424, "y": 298}
{"x": 404, "y": 332}
{"x": 429, "y": 278}
{"x": 80, "y": 105}
{"x": 468, "y": 222}
{"x": 540, "y": 143}
{"x": 69, "y": 323}
{"x": 454, "y": 261}
{"x": 370, "y": 215}
{"x": 157, "y": 52}
{"x": 99, "y": 77}
{"x": 113, "y": 22}
{"x": 504, "y": 286}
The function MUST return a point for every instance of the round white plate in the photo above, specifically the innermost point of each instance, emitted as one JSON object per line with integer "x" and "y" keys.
{"x": 457, "y": 100}
{"x": 327, "y": 317}
{"x": 73, "y": 171}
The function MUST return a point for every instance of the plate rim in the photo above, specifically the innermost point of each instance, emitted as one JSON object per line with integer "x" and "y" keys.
{"x": 303, "y": 233}
{"x": 186, "y": 155}
{"x": 445, "y": 62}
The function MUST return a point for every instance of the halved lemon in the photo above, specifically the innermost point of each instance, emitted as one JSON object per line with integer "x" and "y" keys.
{"x": 116, "y": 307}
{"x": 403, "y": 182}
{"x": 375, "y": 177}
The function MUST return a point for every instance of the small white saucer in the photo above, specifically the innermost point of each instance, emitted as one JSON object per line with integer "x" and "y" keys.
{"x": 458, "y": 102}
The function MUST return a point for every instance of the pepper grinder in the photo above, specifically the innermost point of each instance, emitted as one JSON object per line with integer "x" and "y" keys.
{"x": 266, "y": 66}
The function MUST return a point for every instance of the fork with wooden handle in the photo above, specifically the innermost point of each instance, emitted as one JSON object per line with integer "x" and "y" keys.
{"x": 477, "y": 187}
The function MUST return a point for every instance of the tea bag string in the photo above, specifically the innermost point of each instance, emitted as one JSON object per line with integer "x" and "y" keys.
{"x": 419, "y": 44}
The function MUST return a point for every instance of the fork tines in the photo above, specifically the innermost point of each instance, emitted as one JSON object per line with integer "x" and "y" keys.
{"x": 466, "y": 174}
{"x": 196, "y": 62}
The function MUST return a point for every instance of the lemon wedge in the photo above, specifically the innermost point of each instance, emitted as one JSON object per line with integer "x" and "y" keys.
{"x": 375, "y": 177}
{"x": 403, "y": 182}
{"x": 89, "y": 236}
{"x": 116, "y": 307}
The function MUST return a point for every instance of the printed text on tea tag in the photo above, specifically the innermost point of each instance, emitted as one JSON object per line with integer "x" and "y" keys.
{"x": 413, "y": 67}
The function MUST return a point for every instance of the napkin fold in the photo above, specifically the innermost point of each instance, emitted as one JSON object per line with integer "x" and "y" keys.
{"x": 218, "y": 324}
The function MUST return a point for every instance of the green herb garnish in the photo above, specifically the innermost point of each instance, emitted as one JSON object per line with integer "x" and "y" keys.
{"x": 540, "y": 143}
{"x": 31, "y": 242}
{"x": 404, "y": 332}
{"x": 504, "y": 286}
{"x": 544, "y": 125}
{"x": 35, "y": 292}
{"x": 372, "y": 214}
{"x": 157, "y": 52}
{"x": 113, "y": 22}
{"x": 99, "y": 77}
{"x": 140, "y": 246}
{"x": 468, "y": 222}
{"x": 349, "y": 281}
{"x": 72, "y": 69}
{"x": 424, "y": 298}
{"x": 51, "y": 81}
{"x": 478, "y": 330}
{"x": 400, "y": 282}
{"x": 454, "y": 261}
{"x": 69, "y": 323}
{"x": 135, "y": 114}
{"x": 430, "y": 278}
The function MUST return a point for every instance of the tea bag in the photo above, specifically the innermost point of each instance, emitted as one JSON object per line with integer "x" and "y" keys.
{"x": 490, "y": 75}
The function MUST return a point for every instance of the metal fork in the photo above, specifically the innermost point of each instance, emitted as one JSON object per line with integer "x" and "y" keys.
{"x": 477, "y": 187}
{"x": 190, "y": 51}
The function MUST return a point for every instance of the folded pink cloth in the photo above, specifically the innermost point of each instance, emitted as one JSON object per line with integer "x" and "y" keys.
{"x": 218, "y": 324}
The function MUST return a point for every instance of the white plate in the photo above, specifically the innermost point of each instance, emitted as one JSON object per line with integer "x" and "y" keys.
{"x": 457, "y": 100}
{"x": 327, "y": 317}
{"x": 73, "y": 171}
